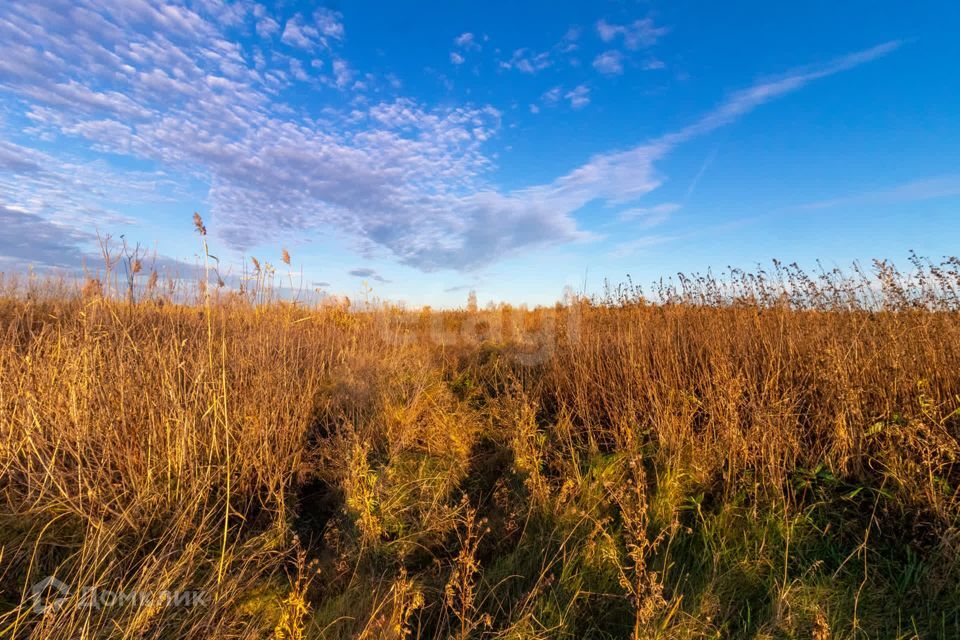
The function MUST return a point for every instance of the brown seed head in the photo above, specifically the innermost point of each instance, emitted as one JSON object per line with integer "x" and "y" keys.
{"x": 285, "y": 256}
{"x": 198, "y": 223}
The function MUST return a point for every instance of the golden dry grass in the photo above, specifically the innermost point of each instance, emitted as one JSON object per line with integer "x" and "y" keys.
{"x": 770, "y": 455}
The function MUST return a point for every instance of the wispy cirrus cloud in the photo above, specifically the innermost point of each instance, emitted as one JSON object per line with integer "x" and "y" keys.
{"x": 916, "y": 190}
{"x": 650, "y": 216}
{"x": 631, "y": 247}
{"x": 742, "y": 102}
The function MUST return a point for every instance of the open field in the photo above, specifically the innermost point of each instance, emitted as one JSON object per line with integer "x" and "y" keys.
{"x": 763, "y": 456}
{"x": 530, "y": 372}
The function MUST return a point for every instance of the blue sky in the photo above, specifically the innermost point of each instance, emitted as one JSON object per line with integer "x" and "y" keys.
{"x": 510, "y": 148}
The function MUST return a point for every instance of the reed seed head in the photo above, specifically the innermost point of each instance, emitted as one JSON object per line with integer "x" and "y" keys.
{"x": 198, "y": 224}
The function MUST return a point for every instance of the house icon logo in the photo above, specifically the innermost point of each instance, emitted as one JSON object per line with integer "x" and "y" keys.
{"x": 49, "y": 594}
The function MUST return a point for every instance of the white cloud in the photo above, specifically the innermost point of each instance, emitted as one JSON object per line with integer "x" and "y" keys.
{"x": 329, "y": 23}
{"x": 298, "y": 34}
{"x": 326, "y": 26}
{"x": 636, "y": 35}
{"x": 297, "y": 70}
{"x": 456, "y": 58}
{"x": 579, "y": 96}
{"x": 341, "y": 73}
{"x": 609, "y": 63}
{"x": 81, "y": 194}
{"x": 552, "y": 96}
{"x": 568, "y": 43}
{"x": 467, "y": 41}
{"x": 73, "y": 94}
{"x": 527, "y": 61}
{"x": 16, "y": 159}
{"x": 267, "y": 27}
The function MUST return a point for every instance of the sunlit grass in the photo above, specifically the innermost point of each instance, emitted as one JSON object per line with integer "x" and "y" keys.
{"x": 764, "y": 456}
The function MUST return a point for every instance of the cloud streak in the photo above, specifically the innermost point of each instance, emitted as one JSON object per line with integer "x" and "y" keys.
{"x": 369, "y": 274}
{"x": 650, "y": 216}
{"x": 914, "y": 191}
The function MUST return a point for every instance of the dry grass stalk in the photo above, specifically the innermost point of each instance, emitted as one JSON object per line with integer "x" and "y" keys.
{"x": 794, "y": 440}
